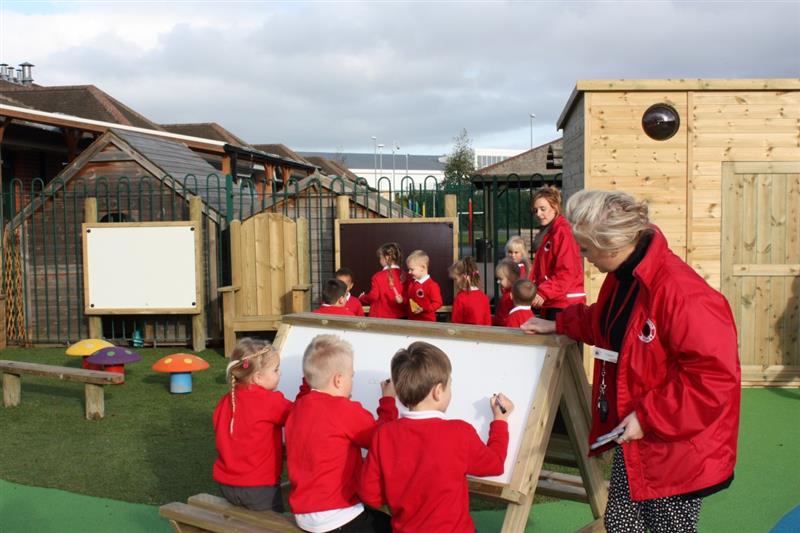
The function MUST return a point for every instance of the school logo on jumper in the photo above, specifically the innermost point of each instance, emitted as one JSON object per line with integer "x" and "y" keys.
{"x": 420, "y": 293}
{"x": 547, "y": 246}
{"x": 648, "y": 331}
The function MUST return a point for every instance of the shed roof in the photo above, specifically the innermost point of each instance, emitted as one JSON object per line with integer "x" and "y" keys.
{"x": 85, "y": 101}
{"x": 532, "y": 161}
{"x": 206, "y": 130}
{"x": 682, "y": 84}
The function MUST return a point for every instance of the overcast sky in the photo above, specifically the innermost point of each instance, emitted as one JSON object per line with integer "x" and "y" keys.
{"x": 329, "y": 75}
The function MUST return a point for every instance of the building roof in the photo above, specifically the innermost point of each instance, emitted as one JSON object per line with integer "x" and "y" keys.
{"x": 283, "y": 151}
{"x": 365, "y": 161}
{"x": 206, "y": 130}
{"x": 332, "y": 168}
{"x": 86, "y": 101}
{"x": 533, "y": 161}
{"x": 775, "y": 84}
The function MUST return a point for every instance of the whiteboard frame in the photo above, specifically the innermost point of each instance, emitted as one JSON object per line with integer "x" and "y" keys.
{"x": 198, "y": 270}
{"x": 531, "y": 452}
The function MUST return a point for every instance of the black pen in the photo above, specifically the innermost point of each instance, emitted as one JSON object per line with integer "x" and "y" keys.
{"x": 500, "y": 405}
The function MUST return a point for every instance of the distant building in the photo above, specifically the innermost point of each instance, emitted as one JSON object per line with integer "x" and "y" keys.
{"x": 418, "y": 167}
{"x": 491, "y": 156}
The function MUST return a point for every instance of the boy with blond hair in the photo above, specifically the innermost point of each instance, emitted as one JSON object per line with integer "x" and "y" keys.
{"x": 423, "y": 454}
{"x": 325, "y": 432}
{"x": 522, "y": 293}
{"x": 424, "y": 294}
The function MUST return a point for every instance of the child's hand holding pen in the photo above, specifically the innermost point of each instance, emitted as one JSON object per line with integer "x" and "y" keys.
{"x": 387, "y": 389}
{"x": 501, "y": 406}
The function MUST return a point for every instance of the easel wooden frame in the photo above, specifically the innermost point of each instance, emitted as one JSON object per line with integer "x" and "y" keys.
{"x": 562, "y": 383}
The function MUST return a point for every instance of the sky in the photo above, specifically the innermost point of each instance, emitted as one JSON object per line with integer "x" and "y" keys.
{"x": 328, "y": 76}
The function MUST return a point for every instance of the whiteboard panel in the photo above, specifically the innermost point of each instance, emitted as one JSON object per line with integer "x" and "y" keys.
{"x": 480, "y": 369}
{"x": 145, "y": 267}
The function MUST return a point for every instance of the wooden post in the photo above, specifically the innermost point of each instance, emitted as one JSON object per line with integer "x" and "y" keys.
{"x": 95, "y": 323}
{"x": 198, "y": 320}
{"x": 11, "y": 390}
{"x": 303, "y": 259}
{"x": 95, "y": 404}
{"x": 342, "y": 207}
{"x": 450, "y": 205}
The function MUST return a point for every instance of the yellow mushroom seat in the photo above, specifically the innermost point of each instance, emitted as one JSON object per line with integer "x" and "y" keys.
{"x": 180, "y": 367}
{"x": 86, "y": 347}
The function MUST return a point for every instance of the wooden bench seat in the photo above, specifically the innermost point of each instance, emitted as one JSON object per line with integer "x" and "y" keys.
{"x": 94, "y": 380}
{"x": 205, "y": 512}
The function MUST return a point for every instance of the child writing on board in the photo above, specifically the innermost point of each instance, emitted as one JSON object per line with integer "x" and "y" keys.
{"x": 424, "y": 294}
{"x": 386, "y": 296}
{"x": 334, "y": 298}
{"x": 346, "y": 276}
{"x": 247, "y": 423}
{"x": 507, "y": 273}
{"x": 325, "y": 433}
{"x": 522, "y": 293}
{"x": 471, "y": 305}
{"x": 518, "y": 252}
{"x": 417, "y": 465}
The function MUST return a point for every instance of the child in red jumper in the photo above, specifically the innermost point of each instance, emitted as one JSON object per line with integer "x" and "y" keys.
{"x": 324, "y": 436}
{"x": 386, "y": 296}
{"x": 471, "y": 305}
{"x": 418, "y": 465}
{"x": 517, "y": 251}
{"x": 247, "y": 423}
{"x": 334, "y": 301}
{"x": 507, "y": 273}
{"x": 346, "y": 276}
{"x": 523, "y": 292}
{"x": 424, "y": 294}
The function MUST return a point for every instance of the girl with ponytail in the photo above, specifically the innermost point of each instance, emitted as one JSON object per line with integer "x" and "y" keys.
{"x": 471, "y": 305}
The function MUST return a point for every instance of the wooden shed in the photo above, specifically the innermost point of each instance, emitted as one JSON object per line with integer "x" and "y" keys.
{"x": 723, "y": 185}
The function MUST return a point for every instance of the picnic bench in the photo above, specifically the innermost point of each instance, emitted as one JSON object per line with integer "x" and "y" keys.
{"x": 205, "y": 512}
{"x": 94, "y": 380}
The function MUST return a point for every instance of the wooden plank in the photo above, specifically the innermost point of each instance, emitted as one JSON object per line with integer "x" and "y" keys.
{"x": 249, "y": 283}
{"x": 690, "y": 197}
{"x": 64, "y": 373}
{"x": 198, "y": 319}
{"x": 228, "y": 318}
{"x": 236, "y": 261}
{"x": 257, "y": 323}
{"x": 290, "y": 278}
{"x": 790, "y": 270}
{"x": 12, "y": 391}
{"x": 303, "y": 268}
{"x": 748, "y": 97}
{"x": 763, "y": 251}
{"x": 771, "y": 376}
{"x": 451, "y": 206}
{"x": 278, "y": 291}
{"x": 766, "y": 167}
{"x": 94, "y": 323}
{"x": 205, "y": 520}
{"x": 690, "y": 84}
{"x": 261, "y": 266}
{"x": 746, "y": 286}
{"x": 343, "y": 207}
{"x": 266, "y": 519}
{"x": 730, "y": 251}
{"x": 95, "y": 402}
{"x": 773, "y": 109}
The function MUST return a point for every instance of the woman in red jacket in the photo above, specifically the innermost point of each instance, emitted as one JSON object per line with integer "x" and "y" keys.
{"x": 557, "y": 267}
{"x": 666, "y": 368}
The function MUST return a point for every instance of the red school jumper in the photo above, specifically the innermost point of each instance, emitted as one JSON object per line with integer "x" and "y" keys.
{"x": 418, "y": 466}
{"x": 324, "y": 437}
{"x": 426, "y": 294}
{"x": 252, "y": 455}
{"x": 380, "y": 297}
{"x": 518, "y": 316}
{"x": 354, "y": 305}
{"x": 471, "y": 306}
{"x": 558, "y": 267}
{"x": 503, "y": 307}
{"x": 328, "y": 309}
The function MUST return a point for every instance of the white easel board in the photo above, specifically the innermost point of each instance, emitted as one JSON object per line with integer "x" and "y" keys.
{"x": 485, "y": 361}
{"x": 145, "y": 267}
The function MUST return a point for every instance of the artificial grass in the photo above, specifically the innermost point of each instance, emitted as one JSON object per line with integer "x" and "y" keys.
{"x": 154, "y": 447}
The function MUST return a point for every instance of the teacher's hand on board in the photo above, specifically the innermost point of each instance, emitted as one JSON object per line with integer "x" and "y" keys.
{"x": 501, "y": 406}
{"x": 387, "y": 388}
{"x": 538, "y": 325}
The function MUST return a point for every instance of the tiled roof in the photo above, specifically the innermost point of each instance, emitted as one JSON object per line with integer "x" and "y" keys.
{"x": 331, "y": 168}
{"x": 530, "y": 162}
{"x": 206, "y": 130}
{"x": 86, "y": 101}
{"x": 281, "y": 150}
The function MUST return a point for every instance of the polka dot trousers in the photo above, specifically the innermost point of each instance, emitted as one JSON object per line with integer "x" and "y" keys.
{"x": 673, "y": 514}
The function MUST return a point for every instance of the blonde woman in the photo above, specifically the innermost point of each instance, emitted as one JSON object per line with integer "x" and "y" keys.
{"x": 666, "y": 370}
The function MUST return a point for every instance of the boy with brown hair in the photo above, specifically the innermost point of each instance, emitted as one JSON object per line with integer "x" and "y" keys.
{"x": 522, "y": 292}
{"x": 345, "y": 275}
{"x": 325, "y": 432}
{"x": 333, "y": 298}
{"x": 423, "y": 453}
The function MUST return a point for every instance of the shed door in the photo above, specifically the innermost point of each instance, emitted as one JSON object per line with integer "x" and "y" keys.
{"x": 761, "y": 266}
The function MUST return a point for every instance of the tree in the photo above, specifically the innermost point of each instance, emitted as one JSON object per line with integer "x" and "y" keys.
{"x": 460, "y": 163}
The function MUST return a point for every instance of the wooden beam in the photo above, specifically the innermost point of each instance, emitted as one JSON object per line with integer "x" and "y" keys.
{"x": 95, "y": 323}
{"x": 198, "y": 320}
{"x": 450, "y": 205}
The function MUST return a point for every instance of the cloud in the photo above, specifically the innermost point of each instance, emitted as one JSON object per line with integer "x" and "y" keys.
{"x": 324, "y": 75}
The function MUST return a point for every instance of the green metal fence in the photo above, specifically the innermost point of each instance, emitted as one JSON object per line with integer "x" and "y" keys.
{"x": 42, "y": 249}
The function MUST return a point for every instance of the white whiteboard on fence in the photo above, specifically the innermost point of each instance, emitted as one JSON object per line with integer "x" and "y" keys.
{"x": 146, "y": 267}
{"x": 480, "y": 368}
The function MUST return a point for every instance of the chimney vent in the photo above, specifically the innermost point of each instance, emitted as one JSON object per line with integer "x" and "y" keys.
{"x": 27, "y": 78}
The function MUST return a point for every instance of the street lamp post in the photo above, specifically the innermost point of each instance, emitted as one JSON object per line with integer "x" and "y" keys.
{"x": 375, "y": 165}
{"x": 380, "y": 160}
{"x": 395, "y": 148}
{"x": 406, "y": 164}
{"x": 533, "y": 116}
